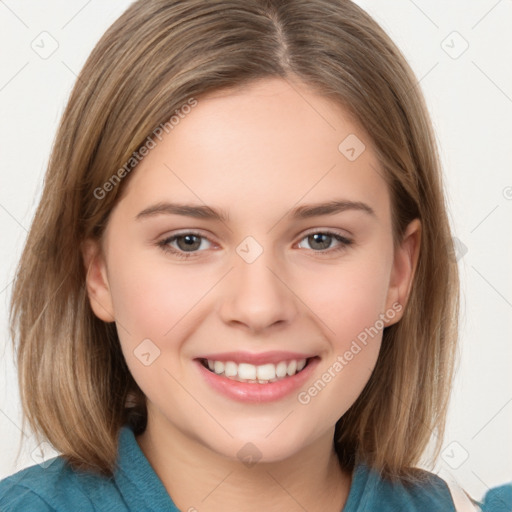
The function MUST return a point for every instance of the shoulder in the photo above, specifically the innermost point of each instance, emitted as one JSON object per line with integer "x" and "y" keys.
{"x": 498, "y": 499}
{"x": 51, "y": 487}
{"x": 31, "y": 488}
{"x": 56, "y": 486}
{"x": 14, "y": 498}
{"x": 371, "y": 491}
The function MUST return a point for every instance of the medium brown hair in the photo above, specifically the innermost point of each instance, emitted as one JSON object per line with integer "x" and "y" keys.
{"x": 75, "y": 386}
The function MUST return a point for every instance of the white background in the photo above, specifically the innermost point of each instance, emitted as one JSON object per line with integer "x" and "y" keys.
{"x": 470, "y": 100}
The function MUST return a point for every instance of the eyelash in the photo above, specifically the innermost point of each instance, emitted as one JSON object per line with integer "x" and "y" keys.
{"x": 164, "y": 244}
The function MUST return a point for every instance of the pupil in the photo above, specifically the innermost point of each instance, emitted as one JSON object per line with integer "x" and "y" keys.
{"x": 323, "y": 245}
{"x": 189, "y": 244}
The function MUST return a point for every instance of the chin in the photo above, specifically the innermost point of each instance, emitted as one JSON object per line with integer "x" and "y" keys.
{"x": 261, "y": 448}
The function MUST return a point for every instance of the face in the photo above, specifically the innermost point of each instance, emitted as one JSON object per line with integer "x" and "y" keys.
{"x": 253, "y": 312}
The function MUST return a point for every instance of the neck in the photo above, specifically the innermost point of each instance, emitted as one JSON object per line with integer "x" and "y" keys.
{"x": 197, "y": 478}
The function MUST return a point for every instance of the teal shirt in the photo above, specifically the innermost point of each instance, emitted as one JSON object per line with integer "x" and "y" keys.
{"x": 498, "y": 499}
{"x": 136, "y": 487}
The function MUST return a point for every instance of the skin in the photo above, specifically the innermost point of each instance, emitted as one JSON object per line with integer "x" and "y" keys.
{"x": 255, "y": 153}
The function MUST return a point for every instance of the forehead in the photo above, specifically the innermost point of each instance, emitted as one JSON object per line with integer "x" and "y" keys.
{"x": 261, "y": 148}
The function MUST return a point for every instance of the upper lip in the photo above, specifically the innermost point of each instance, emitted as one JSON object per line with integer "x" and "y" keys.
{"x": 273, "y": 357}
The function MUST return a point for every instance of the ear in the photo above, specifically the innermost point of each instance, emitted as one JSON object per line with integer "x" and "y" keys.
{"x": 405, "y": 261}
{"x": 96, "y": 280}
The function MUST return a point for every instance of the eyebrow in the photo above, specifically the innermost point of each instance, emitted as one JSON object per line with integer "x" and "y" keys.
{"x": 208, "y": 213}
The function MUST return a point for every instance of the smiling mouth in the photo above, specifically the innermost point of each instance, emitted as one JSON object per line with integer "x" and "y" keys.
{"x": 256, "y": 374}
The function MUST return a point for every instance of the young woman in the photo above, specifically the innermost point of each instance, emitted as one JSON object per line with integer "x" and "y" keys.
{"x": 239, "y": 291}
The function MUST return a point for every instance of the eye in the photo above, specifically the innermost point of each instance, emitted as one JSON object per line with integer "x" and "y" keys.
{"x": 322, "y": 240}
{"x": 187, "y": 244}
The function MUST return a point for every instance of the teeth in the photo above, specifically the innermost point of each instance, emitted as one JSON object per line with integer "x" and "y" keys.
{"x": 230, "y": 369}
{"x": 292, "y": 368}
{"x": 266, "y": 372}
{"x": 218, "y": 367}
{"x": 281, "y": 370}
{"x": 245, "y": 372}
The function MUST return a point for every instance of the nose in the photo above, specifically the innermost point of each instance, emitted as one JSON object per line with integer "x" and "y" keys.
{"x": 257, "y": 296}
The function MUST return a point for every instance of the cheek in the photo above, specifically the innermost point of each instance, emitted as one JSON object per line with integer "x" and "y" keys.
{"x": 347, "y": 298}
{"x": 351, "y": 318}
{"x": 163, "y": 303}
{"x": 149, "y": 300}
{"x": 160, "y": 303}
{"x": 349, "y": 301}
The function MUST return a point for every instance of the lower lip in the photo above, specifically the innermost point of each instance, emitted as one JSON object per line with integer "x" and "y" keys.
{"x": 247, "y": 392}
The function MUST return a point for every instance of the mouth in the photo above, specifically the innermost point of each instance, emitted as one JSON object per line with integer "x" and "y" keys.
{"x": 256, "y": 377}
{"x": 248, "y": 373}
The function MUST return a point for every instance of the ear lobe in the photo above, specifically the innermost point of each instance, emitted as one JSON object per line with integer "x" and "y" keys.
{"x": 405, "y": 262}
{"x": 96, "y": 281}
